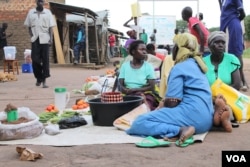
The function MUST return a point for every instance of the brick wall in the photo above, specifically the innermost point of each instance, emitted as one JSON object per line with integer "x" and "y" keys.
{"x": 14, "y": 13}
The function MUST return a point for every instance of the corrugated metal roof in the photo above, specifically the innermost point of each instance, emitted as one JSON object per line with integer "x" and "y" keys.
{"x": 70, "y": 9}
{"x": 115, "y": 31}
{"x": 81, "y": 19}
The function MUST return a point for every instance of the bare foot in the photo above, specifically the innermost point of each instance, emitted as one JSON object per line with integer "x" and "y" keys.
{"x": 185, "y": 133}
{"x": 173, "y": 139}
{"x": 225, "y": 121}
{"x": 216, "y": 119}
{"x": 222, "y": 113}
{"x": 219, "y": 107}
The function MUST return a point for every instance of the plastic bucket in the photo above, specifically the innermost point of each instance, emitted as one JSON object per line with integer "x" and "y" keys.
{"x": 104, "y": 114}
{"x": 12, "y": 115}
{"x": 10, "y": 52}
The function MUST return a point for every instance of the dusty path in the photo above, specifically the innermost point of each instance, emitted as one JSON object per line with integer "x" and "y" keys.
{"x": 25, "y": 93}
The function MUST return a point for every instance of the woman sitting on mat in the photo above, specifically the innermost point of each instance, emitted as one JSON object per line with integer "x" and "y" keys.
{"x": 224, "y": 66}
{"x": 221, "y": 64}
{"x": 188, "y": 107}
{"x": 137, "y": 77}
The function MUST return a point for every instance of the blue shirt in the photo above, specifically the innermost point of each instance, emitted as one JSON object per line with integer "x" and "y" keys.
{"x": 229, "y": 11}
{"x": 80, "y": 36}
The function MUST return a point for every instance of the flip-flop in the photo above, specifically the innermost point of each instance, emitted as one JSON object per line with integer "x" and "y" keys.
{"x": 186, "y": 143}
{"x": 235, "y": 124}
{"x": 150, "y": 142}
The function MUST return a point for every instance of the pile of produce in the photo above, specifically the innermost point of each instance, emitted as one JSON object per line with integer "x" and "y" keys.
{"x": 80, "y": 104}
{"x": 4, "y": 77}
{"x": 51, "y": 108}
{"x": 110, "y": 72}
{"x": 51, "y": 112}
{"x": 54, "y": 118}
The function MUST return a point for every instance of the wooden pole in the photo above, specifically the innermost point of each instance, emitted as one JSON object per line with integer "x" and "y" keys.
{"x": 97, "y": 43}
{"x": 87, "y": 37}
{"x": 58, "y": 46}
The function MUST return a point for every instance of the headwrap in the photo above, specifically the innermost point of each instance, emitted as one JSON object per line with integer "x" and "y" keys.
{"x": 128, "y": 42}
{"x": 215, "y": 34}
{"x": 129, "y": 33}
{"x": 188, "y": 47}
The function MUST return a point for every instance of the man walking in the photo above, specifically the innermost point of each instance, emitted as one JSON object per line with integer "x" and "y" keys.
{"x": 40, "y": 22}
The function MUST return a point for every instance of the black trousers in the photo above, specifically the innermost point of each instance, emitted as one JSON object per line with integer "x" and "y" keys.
{"x": 40, "y": 60}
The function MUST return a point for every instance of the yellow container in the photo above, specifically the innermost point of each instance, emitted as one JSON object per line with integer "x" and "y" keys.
{"x": 135, "y": 9}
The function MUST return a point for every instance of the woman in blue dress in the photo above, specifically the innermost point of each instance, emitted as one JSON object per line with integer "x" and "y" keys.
{"x": 188, "y": 107}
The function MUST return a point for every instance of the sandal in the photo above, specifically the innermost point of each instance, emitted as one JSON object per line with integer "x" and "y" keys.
{"x": 186, "y": 143}
{"x": 235, "y": 124}
{"x": 150, "y": 142}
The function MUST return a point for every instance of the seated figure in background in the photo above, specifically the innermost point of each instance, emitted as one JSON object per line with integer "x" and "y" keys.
{"x": 137, "y": 76}
{"x": 151, "y": 50}
{"x": 161, "y": 50}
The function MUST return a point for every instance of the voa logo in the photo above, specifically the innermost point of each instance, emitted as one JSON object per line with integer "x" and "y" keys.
{"x": 236, "y": 158}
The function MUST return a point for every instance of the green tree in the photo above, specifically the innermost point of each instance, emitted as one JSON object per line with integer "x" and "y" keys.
{"x": 247, "y": 28}
{"x": 181, "y": 25}
{"x": 214, "y": 29}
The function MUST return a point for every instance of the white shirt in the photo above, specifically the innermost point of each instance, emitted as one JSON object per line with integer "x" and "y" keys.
{"x": 40, "y": 22}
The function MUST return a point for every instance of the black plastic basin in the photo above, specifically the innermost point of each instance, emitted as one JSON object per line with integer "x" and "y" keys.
{"x": 104, "y": 114}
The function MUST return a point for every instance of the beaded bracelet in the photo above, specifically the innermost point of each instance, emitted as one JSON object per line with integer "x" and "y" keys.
{"x": 171, "y": 100}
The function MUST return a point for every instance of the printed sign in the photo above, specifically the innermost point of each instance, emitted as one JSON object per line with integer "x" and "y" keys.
{"x": 165, "y": 26}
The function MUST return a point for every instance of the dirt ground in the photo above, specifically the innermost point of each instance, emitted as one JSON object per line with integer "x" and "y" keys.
{"x": 24, "y": 93}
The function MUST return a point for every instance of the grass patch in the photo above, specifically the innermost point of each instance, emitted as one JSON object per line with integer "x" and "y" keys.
{"x": 246, "y": 53}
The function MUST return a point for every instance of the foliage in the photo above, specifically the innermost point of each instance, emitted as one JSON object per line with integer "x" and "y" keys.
{"x": 246, "y": 53}
{"x": 247, "y": 27}
{"x": 214, "y": 29}
{"x": 181, "y": 25}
